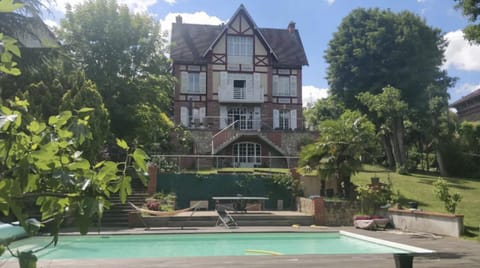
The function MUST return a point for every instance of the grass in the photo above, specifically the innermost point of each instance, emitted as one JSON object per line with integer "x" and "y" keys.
{"x": 418, "y": 188}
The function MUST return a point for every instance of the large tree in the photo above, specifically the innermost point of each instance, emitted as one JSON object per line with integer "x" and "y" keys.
{"x": 373, "y": 48}
{"x": 471, "y": 9}
{"x": 122, "y": 53}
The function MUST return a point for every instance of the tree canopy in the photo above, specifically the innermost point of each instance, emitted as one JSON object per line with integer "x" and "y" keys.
{"x": 471, "y": 9}
{"x": 373, "y": 48}
{"x": 122, "y": 53}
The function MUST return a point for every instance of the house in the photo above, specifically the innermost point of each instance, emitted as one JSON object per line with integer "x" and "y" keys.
{"x": 468, "y": 107}
{"x": 239, "y": 90}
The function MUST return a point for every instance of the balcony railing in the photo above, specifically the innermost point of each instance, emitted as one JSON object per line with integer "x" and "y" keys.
{"x": 240, "y": 95}
{"x": 213, "y": 123}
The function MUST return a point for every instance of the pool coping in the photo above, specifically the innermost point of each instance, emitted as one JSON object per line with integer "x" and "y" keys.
{"x": 449, "y": 252}
{"x": 410, "y": 249}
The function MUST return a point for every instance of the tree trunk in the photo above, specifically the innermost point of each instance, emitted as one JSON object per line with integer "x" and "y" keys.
{"x": 396, "y": 155}
{"x": 388, "y": 151}
{"x": 441, "y": 165}
{"x": 399, "y": 135}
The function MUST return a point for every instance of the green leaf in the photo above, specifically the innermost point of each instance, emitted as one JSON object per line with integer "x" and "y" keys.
{"x": 122, "y": 144}
{"x": 7, "y": 6}
{"x": 125, "y": 188}
{"x": 36, "y": 127}
{"x": 139, "y": 156}
{"x": 82, "y": 164}
{"x": 86, "y": 109}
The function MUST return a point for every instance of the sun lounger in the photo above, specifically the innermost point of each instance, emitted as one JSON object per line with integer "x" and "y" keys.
{"x": 225, "y": 219}
{"x": 370, "y": 222}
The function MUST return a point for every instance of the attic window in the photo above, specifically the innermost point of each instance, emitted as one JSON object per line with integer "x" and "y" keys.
{"x": 240, "y": 49}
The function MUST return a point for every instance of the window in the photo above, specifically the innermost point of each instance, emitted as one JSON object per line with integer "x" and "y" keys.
{"x": 247, "y": 153}
{"x": 193, "y": 82}
{"x": 239, "y": 89}
{"x": 284, "y": 119}
{"x": 240, "y": 49}
{"x": 285, "y": 86}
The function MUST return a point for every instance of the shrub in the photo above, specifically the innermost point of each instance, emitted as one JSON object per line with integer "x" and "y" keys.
{"x": 441, "y": 191}
{"x": 375, "y": 195}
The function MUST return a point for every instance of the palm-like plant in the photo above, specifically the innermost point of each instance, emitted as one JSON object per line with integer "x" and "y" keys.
{"x": 337, "y": 152}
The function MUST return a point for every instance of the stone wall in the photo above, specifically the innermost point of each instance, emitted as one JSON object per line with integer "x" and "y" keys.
{"x": 420, "y": 221}
{"x": 329, "y": 213}
{"x": 202, "y": 141}
{"x": 340, "y": 213}
{"x": 291, "y": 141}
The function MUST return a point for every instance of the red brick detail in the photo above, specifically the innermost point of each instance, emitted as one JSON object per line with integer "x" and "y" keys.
{"x": 152, "y": 181}
{"x": 318, "y": 210}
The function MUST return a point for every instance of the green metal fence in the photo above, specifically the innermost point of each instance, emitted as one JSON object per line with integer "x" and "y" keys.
{"x": 203, "y": 187}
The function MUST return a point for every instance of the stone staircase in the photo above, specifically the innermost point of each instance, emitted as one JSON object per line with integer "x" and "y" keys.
{"x": 117, "y": 215}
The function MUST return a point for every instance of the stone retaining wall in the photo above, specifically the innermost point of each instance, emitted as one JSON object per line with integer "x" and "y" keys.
{"x": 421, "y": 221}
{"x": 329, "y": 213}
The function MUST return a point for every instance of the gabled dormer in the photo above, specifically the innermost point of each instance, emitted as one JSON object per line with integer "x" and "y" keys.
{"x": 240, "y": 45}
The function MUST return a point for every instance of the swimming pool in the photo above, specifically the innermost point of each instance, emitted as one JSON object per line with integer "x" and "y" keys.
{"x": 210, "y": 244}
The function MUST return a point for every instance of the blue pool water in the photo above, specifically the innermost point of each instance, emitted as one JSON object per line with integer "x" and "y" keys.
{"x": 214, "y": 244}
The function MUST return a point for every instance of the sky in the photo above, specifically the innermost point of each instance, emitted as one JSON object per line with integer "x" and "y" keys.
{"x": 316, "y": 21}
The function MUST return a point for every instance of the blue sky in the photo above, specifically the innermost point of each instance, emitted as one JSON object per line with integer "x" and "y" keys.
{"x": 317, "y": 20}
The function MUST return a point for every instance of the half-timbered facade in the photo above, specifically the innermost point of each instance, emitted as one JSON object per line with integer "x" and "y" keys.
{"x": 239, "y": 86}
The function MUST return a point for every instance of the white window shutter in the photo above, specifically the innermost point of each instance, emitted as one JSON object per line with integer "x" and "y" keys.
{"x": 184, "y": 82}
{"x": 184, "y": 116}
{"x": 293, "y": 86}
{"x": 249, "y": 86}
{"x": 293, "y": 119}
{"x": 223, "y": 117}
{"x": 202, "y": 113}
{"x": 202, "y": 80}
{"x": 223, "y": 80}
{"x": 257, "y": 87}
{"x": 276, "y": 117}
{"x": 275, "y": 85}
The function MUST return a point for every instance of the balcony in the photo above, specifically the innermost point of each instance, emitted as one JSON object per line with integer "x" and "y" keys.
{"x": 240, "y": 95}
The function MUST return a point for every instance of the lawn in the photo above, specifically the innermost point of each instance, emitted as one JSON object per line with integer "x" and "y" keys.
{"x": 418, "y": 188}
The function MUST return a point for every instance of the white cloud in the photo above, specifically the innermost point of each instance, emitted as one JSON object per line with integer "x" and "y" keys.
{"x": 330, "y": 2}
{"x": 200, "y": 17}
{"x": 171, "y": 2}
{"x": 310, "y": 94}
{"x": 465, "y": 89}
{"x": 133, "y": 5}
{"x": 460, "y": 54}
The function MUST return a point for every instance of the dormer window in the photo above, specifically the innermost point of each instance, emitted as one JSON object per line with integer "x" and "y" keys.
{"x": 240, "y": 50}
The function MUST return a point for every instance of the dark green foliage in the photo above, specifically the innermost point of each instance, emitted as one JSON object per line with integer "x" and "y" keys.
{"x": 122, "y": 53}
{"x": 471, "y": 9}
{"x": 374, "y": 48}
{"x": 324, "y": 109}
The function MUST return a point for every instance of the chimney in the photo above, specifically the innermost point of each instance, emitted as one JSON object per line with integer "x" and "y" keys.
{"x": 178, "y": 19}
{"x": 291, "y": 27}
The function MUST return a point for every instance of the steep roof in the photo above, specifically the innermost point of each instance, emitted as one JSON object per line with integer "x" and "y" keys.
{"x": 470, "y": 96}
{"x": 190, "y": 42}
